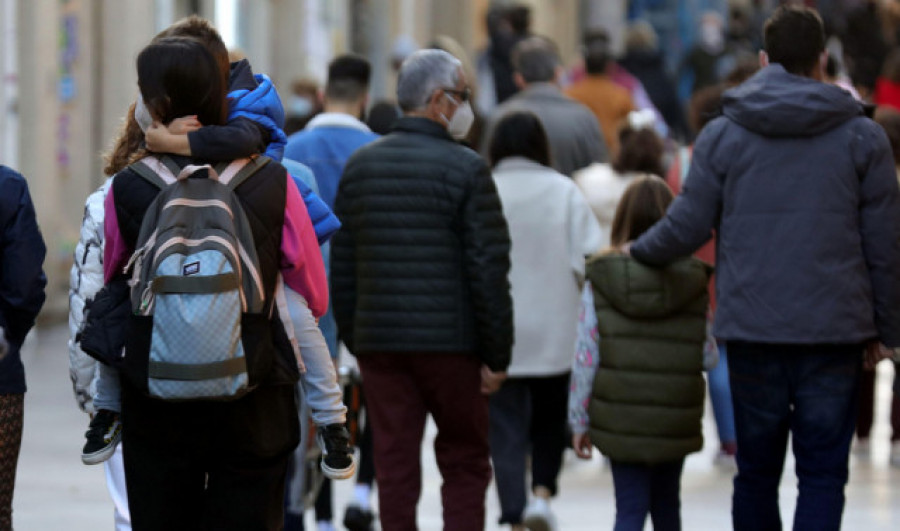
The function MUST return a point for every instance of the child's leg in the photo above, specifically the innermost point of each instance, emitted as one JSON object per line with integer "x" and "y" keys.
{"x": 632, "y": 486}
{"x": 665, "y": 496}
{"x": 320, "y": 379}
{"x": 109, "y": 392}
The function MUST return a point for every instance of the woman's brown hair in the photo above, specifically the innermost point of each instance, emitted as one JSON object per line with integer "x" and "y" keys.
{"x": 644, "y": 202}
{"x": 128, "y": 146}
{"x": 640, "y": 151}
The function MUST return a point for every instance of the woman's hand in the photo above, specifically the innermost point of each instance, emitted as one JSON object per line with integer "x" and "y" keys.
{"x": 581, "y": 443}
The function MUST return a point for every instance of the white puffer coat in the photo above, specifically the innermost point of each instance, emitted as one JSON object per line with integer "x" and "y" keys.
{"x": 85, "y": 280}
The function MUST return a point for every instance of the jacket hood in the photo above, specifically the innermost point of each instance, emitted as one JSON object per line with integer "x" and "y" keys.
{"x": 639, "y": 291}
{"x": 262, "y": 105}
{"x": 776, "y": 103}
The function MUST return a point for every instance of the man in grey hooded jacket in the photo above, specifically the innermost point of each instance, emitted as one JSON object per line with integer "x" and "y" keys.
{"x": 801, "y": 191}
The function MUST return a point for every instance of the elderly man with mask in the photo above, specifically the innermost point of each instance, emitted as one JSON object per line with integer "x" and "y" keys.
{"x": 421, "y": 294}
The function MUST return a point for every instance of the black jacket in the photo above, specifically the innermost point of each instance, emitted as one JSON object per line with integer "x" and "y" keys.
{"x": 422, "y": 258}
{"x": 22, "y": 279}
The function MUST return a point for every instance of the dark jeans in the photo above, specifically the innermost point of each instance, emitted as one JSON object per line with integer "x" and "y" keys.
{"x": 401, "y": 390}
{"x": 642, "y": 489}
{"x": 528, "y": 418}
{"x": 811, "y": 392}
{"x": 208, "y": 465}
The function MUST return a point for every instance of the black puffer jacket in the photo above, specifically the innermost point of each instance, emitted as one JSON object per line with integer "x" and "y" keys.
{"x": 422, "y": 258}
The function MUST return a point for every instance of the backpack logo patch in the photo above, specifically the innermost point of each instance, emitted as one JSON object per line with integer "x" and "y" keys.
{"x": 190, "y": 269}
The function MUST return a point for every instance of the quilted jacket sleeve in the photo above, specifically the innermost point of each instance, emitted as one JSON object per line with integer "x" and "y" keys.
{"x": 485, "y": 238}
{"x": 85, "y": 280}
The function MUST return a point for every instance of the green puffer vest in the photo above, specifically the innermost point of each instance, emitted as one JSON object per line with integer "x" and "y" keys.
{"x": 647, "y": 399}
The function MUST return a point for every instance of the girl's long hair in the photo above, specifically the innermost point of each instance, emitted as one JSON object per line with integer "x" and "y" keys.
{"x": 128, "y": 147}
{"x": 644, "y": 202}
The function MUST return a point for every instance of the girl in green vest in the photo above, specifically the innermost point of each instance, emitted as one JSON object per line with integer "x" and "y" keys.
{"x": 637, "y": 382}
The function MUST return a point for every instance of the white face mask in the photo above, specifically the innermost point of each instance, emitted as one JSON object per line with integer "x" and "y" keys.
{"x": 462, "y": 120}
{"x": 141, "y": 114}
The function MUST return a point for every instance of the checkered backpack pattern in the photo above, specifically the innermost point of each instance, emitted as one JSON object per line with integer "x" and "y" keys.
{"x": 195, "y": 272}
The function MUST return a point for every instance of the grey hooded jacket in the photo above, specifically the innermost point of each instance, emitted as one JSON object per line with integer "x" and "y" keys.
{"x": 801, "y": 189}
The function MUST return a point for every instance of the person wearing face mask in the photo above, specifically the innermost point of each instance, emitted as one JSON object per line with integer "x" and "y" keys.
{"x": 419, "y": 275}
{"x": 574, "y": 133}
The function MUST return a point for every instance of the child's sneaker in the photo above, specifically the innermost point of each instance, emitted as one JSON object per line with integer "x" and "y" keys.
{"x": 338, "y": 461}
{"x": 104, "y": 434}
{"x": 357, "y": 518}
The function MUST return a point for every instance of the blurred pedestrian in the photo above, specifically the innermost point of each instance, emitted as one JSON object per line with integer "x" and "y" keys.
{"x": 639, "y": 398}
{"x": 644, "y": 60}
{"x": 889, "y": 119}
{"x": 324, "y": 145}
{"x": 609, "y": 102}
{"x": 22, "y": 283}
{"x": 572, "y": 129}
{"x": 806, "y": 266}
{"x": 528, "y": 413}
{"x": 421, "y": 295}
{"x": 604, "y": 183}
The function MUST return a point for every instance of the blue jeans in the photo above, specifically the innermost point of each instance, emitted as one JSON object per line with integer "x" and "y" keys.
{"x": 720, "y": 396}
{"x": 811, "y": 392}
{"x": 644, "y": 488}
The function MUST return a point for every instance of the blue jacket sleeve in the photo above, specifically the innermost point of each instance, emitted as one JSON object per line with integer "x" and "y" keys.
{"x": 240, "y": 137}
{"x": 693, "y": 215}
{"x": 324, "y": 221}
{"x": 22, "y": 252}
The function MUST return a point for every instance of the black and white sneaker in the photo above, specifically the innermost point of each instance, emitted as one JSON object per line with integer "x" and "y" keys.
{"x": 338, "y": 461}
{"x": 102, "y": 436}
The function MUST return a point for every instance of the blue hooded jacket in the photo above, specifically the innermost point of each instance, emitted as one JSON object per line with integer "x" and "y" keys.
{"x": 262, "y": 105}
{"x": 802, "y": 191}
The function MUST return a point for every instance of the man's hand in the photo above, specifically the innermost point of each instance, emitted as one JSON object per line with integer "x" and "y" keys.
{"x": 626, "y": 248}
{"x": 490, "y": 380}
{"x": 581, "y": 443}
{"x": 875, "y": 352}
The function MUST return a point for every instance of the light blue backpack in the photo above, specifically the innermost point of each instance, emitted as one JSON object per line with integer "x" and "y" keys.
{"x": 196, "y": 273}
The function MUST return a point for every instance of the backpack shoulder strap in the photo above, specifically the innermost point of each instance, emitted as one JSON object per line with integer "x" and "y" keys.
{"x": 157, "y": 171}
{"x": 242, "y": 169}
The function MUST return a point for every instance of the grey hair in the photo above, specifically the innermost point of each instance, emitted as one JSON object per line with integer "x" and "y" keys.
{"x": 421, "y": 74}
{"x": 535, "y": 59}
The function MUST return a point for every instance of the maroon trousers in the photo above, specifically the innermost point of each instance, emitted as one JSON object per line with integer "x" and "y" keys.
{"x": 401, "y": 390}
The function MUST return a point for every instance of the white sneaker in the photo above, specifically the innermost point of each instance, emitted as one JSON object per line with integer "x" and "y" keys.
{"x": 538, "y": 516}
{"x": 895, "y": 454}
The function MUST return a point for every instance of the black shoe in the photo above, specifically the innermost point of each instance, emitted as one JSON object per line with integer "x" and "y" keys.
{"x": 358, "y": 519}
{"x": 337, "y": 456}
{"x": 104, "y": 434}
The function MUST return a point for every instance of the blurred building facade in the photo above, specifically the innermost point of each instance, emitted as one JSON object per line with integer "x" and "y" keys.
{"x": 67, "y": 73}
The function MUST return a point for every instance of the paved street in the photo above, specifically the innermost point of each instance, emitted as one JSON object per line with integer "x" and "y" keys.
{"x": 56, "y": 492}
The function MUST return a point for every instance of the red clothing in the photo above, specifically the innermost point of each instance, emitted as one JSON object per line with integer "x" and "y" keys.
{"x": 887, "y": 93}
